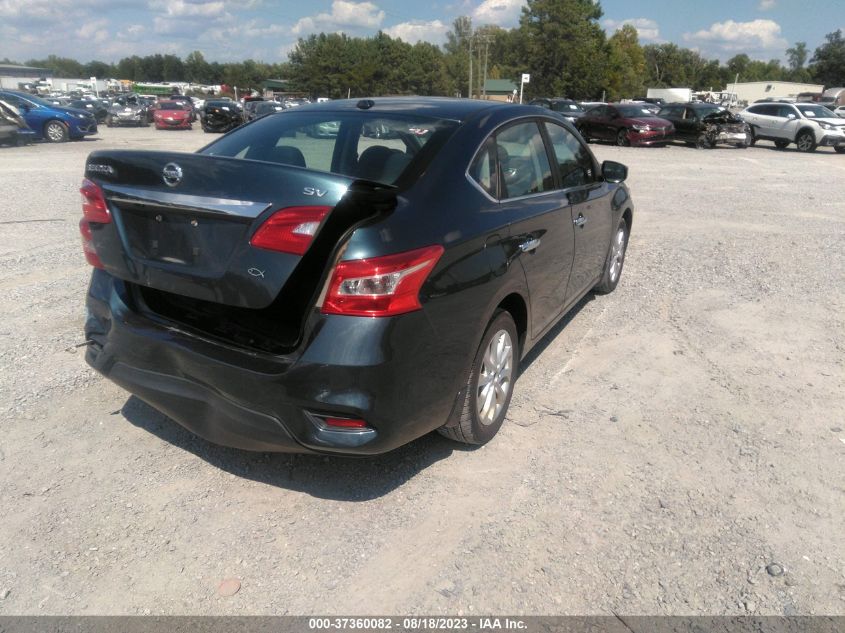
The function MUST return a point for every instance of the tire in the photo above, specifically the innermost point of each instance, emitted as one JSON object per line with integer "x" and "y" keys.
{"x": 622, "y": 138}
{"x": 781, "y": 144}
{"x": 752, "y": 137}
{"x": 56, "y": 132}
{"x": 703, "y": 142}
{"x": 615, "y": 260}
{"x": 109, "y": 121}
{"x": 839, "y": 149}
{"x": 498, "y": 355}
{"x": 806, "y": 142}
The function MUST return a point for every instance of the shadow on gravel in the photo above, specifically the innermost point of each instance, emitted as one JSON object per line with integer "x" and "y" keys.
{"x": 338, "y": 478}
{"x": 552, "y": 334}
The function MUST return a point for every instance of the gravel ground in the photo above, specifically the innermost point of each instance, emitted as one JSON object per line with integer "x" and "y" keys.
{"x": 673, "y": 448}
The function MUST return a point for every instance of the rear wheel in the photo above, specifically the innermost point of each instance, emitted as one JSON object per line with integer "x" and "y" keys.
{"x": 56, "y": 132}
{"x": 615, "y": 260}
{"x": 622, "y": 138}
{"x": 839, "y": 149}
{"x": 806, "y": 142}
{"x": 490, "y": 384}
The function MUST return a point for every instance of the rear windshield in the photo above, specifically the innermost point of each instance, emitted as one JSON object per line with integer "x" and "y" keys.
{"x": 566, "y": 106}
{"x": 634, "y": 111}
{"x": 368, "y": 145}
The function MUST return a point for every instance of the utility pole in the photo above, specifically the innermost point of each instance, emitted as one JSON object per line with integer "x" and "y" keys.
{"x": 486, "y": 52}
{"x": 470, "y": 65}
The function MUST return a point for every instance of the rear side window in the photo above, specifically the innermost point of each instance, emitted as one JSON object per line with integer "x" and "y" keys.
{"x": 483, "y": 169}
{"x": 574, "y": 164}
{"x": 362, "y": 145}
{"x": 523, "y": 160}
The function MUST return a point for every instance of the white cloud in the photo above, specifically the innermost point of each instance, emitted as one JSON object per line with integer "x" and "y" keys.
{"x": 767, "y": 5}
{"x": 344, "y": 14}
{"x": 419, "y": 31}
{"x": 647, "y": 29}
{"x": 756, "y": 35}
{"x": 503, "y": 13}
{"x": 95, "y": 31}
{"x": 183, "y": 8}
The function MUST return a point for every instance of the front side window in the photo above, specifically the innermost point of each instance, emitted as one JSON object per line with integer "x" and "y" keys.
{"x": 574, "y": 164}
{"x": 523, "y": 161}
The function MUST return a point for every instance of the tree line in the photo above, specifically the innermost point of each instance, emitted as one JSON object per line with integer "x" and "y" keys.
{"x": 560, "y": 42}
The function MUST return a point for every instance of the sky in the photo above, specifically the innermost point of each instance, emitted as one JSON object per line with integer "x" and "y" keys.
{"x": 266, "y": 30}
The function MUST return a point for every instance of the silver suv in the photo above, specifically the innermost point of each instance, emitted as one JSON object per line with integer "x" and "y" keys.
{"x": 808, "y": 125}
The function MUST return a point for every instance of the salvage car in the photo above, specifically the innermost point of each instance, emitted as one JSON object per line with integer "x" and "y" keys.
{"x": 625, "y": 124}
{"x": 13, "y": 127}
{"x": 808, "y": 125}
{"x": 274, "y": 293}
{"x": 53, "y": 123}
{"x": 129, "y": 110}
{"x": 704, "y": 125}
{"x": 172, "y": 115}
{"x": 220, "y": 116}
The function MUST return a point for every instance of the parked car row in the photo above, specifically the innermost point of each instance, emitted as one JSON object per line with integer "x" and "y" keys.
{"x": 48, "y": 121}
{"x": 705, "y": 125}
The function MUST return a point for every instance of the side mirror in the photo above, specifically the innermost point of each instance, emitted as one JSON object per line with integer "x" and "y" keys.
{"x": 612, "y": 171}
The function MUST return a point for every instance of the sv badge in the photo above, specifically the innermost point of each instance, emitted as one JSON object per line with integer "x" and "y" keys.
{"x": 313, "y": 191}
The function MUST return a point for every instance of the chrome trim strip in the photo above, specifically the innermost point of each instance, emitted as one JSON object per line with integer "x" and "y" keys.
{"x": 187, "y": 202}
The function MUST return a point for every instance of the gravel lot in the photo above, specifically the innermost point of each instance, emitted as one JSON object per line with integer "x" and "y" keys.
{"x": 665, "y": 445}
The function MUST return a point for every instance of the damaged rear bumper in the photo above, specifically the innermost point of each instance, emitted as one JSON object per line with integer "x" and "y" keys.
{"x": 381, "y": 371}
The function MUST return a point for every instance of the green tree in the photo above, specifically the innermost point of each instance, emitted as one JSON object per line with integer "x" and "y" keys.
{"x": 828, "y": 63}
{"x": 197, "y": 70}
{"x": 626, "y": 70}
{"x": 565, "y": 47}
{"x": 456, "y": 59}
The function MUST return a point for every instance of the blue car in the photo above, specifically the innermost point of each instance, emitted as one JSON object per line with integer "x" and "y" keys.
{"x": 52, "y": 123}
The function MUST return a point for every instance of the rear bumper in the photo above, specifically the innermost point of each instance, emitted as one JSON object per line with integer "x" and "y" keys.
{"x": 392, "y": 373}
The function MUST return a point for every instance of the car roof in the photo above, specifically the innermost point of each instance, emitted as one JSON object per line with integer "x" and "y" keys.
{"x": 436, "y": 107}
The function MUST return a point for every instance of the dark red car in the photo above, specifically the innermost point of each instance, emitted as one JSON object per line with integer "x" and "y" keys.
{"x": 172, "y": 115}
{"x": 625, "y": 124}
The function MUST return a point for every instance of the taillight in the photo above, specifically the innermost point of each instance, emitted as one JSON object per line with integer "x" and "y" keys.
{"x": 94, "y": 206}
{"x": 94, "y": 210}
{"x": 290, "y": 230}
{"x": 380, "y": 286}
{"x": 87, "y": 245}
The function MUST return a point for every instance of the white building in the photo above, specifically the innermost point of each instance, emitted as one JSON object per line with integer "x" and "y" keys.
{"x": 754, "y": 90}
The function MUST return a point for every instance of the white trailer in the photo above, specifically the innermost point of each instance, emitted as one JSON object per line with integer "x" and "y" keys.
{"x": 671, "y": 95}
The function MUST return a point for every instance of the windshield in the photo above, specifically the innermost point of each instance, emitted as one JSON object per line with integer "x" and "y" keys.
{"x": 371, "y": 146}
{"x": 705, "y": 111}
{"x": 170, "y": 105}
{"x": 816, "y": 112}
{"x": 634, "y": 111}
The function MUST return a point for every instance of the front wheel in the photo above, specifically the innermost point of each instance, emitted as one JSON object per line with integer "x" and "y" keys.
{"x": 806, "y": 142}
{"x": 704, "y": 142}
{"x": 56, "y": 132}
{"x": 490, "y": 384}
{"x": 839, "y": 149}
{"x": 615, "y": 260}
{"x": 622, "y": 138}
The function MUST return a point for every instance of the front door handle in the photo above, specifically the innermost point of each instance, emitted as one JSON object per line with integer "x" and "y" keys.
{"x": 580, "y": 220}
{"x": 530, "y": 245}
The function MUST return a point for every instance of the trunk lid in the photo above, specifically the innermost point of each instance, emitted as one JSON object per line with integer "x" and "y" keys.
{"x": 182, "y": 223}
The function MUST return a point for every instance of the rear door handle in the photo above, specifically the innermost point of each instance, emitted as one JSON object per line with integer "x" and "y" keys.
{"x": 580, "y": 220}
{"x": 530, "y": 245}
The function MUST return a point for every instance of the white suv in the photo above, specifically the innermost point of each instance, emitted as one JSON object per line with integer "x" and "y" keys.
{"x": 808, "y": 125}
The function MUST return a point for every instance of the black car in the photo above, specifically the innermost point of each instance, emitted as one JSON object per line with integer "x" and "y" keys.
{"x": 220, "y": 116}
{"x": 277, "y": 292}
{"x": 263, "y": 108}
{"x": 566, "y": 107}
{"x": 250, "y": 106}
{"x": 96, "y": 107}
{"x": 704, "y": 125}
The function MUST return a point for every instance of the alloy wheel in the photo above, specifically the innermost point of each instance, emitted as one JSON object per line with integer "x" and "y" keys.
{"x": 495, "y": 377}
{"x": 617, "y": 254}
